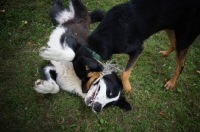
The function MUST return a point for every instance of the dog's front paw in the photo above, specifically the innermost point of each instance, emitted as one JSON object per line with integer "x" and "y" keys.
{"x": 45, "y": 87}
{"x": 170, "y": 84}
{"x": 43, "y": 49}
{"x": 47, "y": 53}
{"x": 164, "y": 53}
{"x": 127, "y": 87}
{"x": 56, "y": 54}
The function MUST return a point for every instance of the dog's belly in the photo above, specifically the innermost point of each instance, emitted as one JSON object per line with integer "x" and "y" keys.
{"x": 67, "y": 78}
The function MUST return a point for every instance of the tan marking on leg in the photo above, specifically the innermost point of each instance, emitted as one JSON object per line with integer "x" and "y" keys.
{"x": 180, "y": 59}
{"x": 125, "y": 77}
{"x": 125, "y": 81}
{"x": 172, "y": 39}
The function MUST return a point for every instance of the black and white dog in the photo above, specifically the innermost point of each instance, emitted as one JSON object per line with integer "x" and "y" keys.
{"x": 74, "y": 68}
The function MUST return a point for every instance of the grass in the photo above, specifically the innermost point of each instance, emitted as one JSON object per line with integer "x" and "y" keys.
{"x": 154, "y": 108}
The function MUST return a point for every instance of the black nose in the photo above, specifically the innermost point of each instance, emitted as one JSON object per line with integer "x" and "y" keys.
{"x": 97, "y": 107}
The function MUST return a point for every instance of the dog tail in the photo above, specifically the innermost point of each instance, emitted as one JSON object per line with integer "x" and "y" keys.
{"x": 97, "y": 15}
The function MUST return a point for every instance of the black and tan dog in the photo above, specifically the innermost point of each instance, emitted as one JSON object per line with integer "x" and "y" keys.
{"x": 125, "y": 27}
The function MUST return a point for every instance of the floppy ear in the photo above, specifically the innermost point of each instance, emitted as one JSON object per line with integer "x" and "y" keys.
{"x": 90, "y": 64}
{"x": 123, "y": 104}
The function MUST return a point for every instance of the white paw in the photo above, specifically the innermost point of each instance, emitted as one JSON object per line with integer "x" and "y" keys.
{"x": 48, "y": 53}
{"x": 45, "y": 87}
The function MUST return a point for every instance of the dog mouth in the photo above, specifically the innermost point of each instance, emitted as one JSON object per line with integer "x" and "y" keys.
{"x": 92, "y": 94}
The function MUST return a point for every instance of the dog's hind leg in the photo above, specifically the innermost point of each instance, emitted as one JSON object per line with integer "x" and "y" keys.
{"x": 180, "y": 58}
{"x": 48, "y": 85}
{"x": 172, "y": 39}
{"x": 81, "y": 14}
{"x": 59, "y": 14}
{"x": 56, "y": 13}
{"x": 184, "y": 40}
{"x": 126, "y": 73}
{"x": 80, "y": 9}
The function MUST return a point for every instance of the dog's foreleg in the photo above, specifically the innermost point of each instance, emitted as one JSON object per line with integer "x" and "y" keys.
{"x": 180, "y": 59}
{"x": 172, "y": 39}
{"x": 126, "y": 73}
{"x": 48, "y": 53}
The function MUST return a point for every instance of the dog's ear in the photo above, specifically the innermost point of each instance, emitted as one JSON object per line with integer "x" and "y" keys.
{"x": 90, "y": 64}
{"x": 123, "y": 104}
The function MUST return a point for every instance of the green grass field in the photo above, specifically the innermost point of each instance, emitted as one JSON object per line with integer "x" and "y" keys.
{"x": 25, "y": 27}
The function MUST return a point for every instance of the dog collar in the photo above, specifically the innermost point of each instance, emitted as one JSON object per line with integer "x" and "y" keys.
{"x": 95, "y": 55}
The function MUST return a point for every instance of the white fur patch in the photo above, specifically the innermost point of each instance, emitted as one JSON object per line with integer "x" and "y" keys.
{"x": 67, "y": 78}
{"x": 55, "y": 51}
{"x": 44, "y": 87}
{"x": 66, "y": 15}
{"x": 57, "y": 54}
{"x": 54, "y": 39}
{"x": 98, "y": 93}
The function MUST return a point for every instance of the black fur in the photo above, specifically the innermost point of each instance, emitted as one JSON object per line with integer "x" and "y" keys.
{"x": 82, "y": 59}
{"x": 125, "y": 26}
{"x": 76, "y": 36}
{"x": 97, "y": 15}
{"x": 57, "y": 8}
{"x": 114, "y": 86}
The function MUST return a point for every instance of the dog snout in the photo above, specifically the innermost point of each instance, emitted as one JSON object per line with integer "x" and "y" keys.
{"x": 97, "y": 107}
